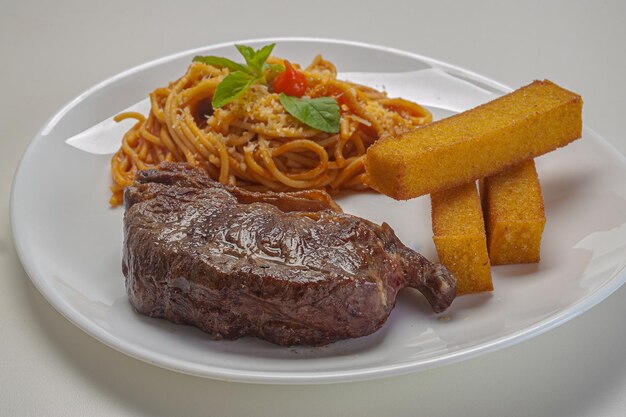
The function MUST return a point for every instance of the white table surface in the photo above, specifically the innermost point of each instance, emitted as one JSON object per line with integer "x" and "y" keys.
{"x": 52, "y": 51}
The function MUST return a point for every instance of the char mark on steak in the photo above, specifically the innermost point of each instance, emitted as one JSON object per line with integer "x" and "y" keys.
{"x": 290, "y": 268}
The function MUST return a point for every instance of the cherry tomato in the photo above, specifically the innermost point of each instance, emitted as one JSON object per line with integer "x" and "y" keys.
{"x": 291, "y": 81}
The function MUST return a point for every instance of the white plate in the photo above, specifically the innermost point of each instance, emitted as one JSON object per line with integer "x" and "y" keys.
{"x": 69, "y": 240}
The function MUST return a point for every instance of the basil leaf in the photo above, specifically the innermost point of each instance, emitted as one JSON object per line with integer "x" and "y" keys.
{"x": 255, "y": 59}
{"x": 247, "y": 52}
{"x": 258, "y": 61}
{"x": 232, "y": 87}
{"x": 220, "y": 62}
{"x": 319, "y": 113}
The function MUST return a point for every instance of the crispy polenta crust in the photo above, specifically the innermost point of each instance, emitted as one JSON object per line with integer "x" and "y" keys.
{"x": 514, "y": 215}
{"x": 459, "y": 236}
{"x": 526, "y": 123}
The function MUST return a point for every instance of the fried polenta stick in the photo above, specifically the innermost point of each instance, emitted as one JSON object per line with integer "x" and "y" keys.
{"x": 514, "y": 215}
{"x": 459, "y": 236}
{"x": 477, "y": 143}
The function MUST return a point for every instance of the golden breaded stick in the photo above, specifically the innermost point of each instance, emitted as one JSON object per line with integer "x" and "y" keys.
{"x": 514, "y": 215}
{"x": 477, "y": 143}
{"x": 459, "y": 236}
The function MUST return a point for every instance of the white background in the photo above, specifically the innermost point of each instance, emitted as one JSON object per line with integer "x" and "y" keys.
{"x": 51, "y": 52}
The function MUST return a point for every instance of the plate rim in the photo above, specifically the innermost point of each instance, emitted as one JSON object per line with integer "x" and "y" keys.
{"x": 614, "y": 282}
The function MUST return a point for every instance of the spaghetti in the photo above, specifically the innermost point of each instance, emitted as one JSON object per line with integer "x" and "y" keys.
{"x": 252, "y": 142}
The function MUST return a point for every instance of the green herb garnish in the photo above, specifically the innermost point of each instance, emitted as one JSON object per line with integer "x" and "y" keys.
{"x": 241, "y": 76}
{"x": 319, "y": 113}
{"x": 256, "y": 59}
{"x": 232, "y": 87}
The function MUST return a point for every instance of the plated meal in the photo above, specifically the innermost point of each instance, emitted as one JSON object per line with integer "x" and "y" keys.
{"x": 567, "y": 209}
{"x": 208, "y": 240}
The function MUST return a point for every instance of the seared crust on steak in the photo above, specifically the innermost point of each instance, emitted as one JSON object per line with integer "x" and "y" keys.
{"x": 290, "y": 268}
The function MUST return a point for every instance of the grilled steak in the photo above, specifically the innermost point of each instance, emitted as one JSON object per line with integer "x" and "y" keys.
{"x": 290, "y": 268}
